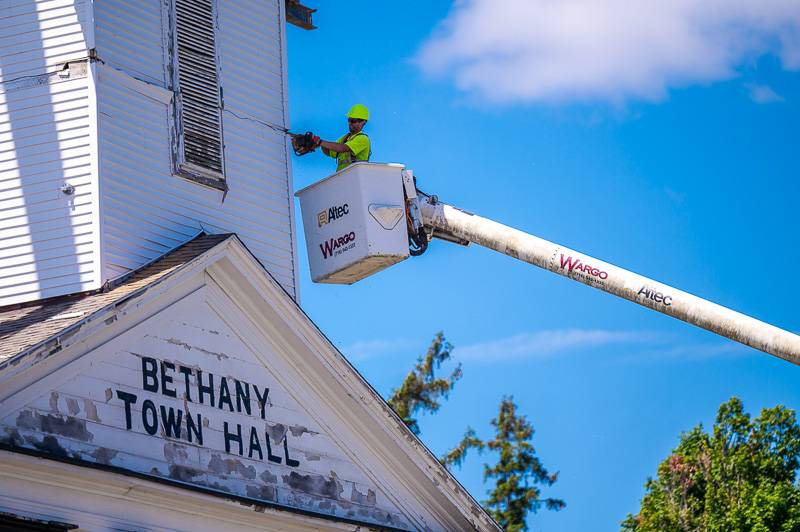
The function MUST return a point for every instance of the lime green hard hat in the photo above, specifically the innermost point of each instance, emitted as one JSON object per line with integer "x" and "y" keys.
{"x": 359, "y": 111}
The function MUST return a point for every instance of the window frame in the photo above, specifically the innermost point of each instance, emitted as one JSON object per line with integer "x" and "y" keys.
{"x": 181, "y": 167}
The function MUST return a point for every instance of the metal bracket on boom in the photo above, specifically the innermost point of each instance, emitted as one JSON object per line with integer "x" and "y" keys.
{"x": 417, "y": 237}
{"x": 437, "y": 232}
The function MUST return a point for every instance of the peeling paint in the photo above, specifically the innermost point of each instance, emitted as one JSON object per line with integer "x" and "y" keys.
{"x": 299, "y": 430}
{"x": 315, "y": 484}
{"x": 64, "y": 426}
{"x": 50, "y": 445}
{"x": 311, "y": 457}
{"x": 175, "y": 341}
{"x": 72, "y": 406}
{"x": 269, "y": 478}
{"x": 365, "y": 500}
{"x": 174, "y": 452}
{"x": 54, "y": 402}
{"x": 109, "y": 394}
{"x": 184, "y": 474}
{"x": 91, "y": 410}
{"x": 277, "y": 432}
{"x": 265, "y": 493}
{"x": 13, "y": 438}
{"x": 103, "y": 455}
{"x": 228, "y": 466}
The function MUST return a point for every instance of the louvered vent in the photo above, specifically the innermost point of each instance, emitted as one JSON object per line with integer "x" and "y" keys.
{"x": 199, "y": 86}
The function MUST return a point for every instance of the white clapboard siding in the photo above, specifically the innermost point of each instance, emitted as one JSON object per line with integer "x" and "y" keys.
{"x": 146, "y": 210}
{"x": 129, "y": 37}
{"x": 48, "y": 240}
{"x": 40, "y": 35}
{"x": 48, "y": 243}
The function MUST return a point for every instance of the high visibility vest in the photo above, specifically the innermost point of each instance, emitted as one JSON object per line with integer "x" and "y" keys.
{"x": 346, "y": 158}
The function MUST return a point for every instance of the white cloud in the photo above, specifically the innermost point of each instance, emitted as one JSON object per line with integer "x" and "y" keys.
{"x": 546, "y": 343}
{"x": 610, "y": 50}
{"x": 694, "y": 351}
{"x": 638, "y": 346}
{"x": 763, "y": 94}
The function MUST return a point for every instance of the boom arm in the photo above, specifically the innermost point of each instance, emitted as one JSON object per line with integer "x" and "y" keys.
{"x": 609, "y": 278}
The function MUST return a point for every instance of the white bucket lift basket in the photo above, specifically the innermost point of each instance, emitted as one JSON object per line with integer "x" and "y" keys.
{"x": 354, "y": 222}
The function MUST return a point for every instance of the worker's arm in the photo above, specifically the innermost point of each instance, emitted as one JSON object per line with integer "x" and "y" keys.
{"x": 337, "y": 147}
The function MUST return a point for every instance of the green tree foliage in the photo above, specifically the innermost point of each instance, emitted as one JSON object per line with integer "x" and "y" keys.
{"x": 741, "y": 477}
{"x": 518, "y": 472}
{"x": 422, "y": 389}
{"x": 456, "y": 455}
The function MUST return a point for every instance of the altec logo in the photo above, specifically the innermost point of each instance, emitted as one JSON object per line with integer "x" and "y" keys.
{"x": 329, "y": 247}
{"x": 652, "y": 294}
{"x": 333, "y": 213}
{"x": 571, "y": 263}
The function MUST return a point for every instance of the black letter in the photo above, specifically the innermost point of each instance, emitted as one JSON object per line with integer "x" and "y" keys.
{"x": 171, "y": 425}
{"x": 270, "y": 456}
{"x": 129, "y": 399}
{"x": 254, "y": 444}
{"x": 202, "y": 389}
{"x": 151, "y": 372}
{"x": 167, "y": 380}
{"x": 186, "y": 372}
{"x": 225, "y": 394}
{"x": 151, "y": 428}
{"x": 289, "y": 461}
{"x": 229, "y": 437}
{"x": 262, "y": 400}
{"x": 243, "y": 394}
{"x": 191, "y": 427}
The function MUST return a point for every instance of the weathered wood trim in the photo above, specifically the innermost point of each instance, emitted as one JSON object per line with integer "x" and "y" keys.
{"x": 25, "y": 466}
{"x": 289, "y": 172}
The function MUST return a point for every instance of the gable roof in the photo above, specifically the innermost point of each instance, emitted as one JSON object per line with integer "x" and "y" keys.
{"x": 26, "y": 327}
{"x": 33, "y": 333}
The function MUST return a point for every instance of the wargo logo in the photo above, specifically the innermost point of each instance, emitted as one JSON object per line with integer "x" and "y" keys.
{"x": 571, "y": 264}
{"x": 334, "y": 246}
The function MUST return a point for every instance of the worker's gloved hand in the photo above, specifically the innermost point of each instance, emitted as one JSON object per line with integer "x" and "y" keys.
{"x": 316, "y": 140}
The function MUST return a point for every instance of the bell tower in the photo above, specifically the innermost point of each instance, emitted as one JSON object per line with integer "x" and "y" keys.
{"x": 128, "y": 127}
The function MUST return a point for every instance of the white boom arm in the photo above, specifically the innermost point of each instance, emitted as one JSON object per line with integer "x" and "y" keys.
{"x": 610, "y": 278}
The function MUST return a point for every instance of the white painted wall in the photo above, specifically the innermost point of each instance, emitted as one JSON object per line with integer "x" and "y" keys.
{"x": 106, "y": 130}
{"x": 145, "y": 209}
{"x": 48, "y": 240}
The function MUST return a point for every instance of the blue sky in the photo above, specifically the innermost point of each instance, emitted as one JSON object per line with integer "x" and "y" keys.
{"x": 665, "y": 141}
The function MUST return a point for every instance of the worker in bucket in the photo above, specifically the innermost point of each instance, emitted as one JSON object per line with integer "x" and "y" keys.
{"x": 352, "y": 147}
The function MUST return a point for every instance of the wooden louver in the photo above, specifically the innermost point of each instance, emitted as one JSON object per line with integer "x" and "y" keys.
{"x": 199, "y": 85}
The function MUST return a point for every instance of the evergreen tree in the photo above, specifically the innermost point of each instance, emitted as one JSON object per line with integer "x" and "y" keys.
{"x": 517, "y": 473}
{"x": 456, "y": 455}
{"x": 741, "y": 477}
{"x": 422, "y": 389}
{"x": 518, "y": 470}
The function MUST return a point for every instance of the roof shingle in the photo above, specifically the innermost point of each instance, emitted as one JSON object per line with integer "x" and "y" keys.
{"x": 25, "y": 326}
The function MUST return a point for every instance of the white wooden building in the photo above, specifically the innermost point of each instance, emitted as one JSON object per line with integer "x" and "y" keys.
{"x": 121, "y": 126}
{"x": 156, "y": 371}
